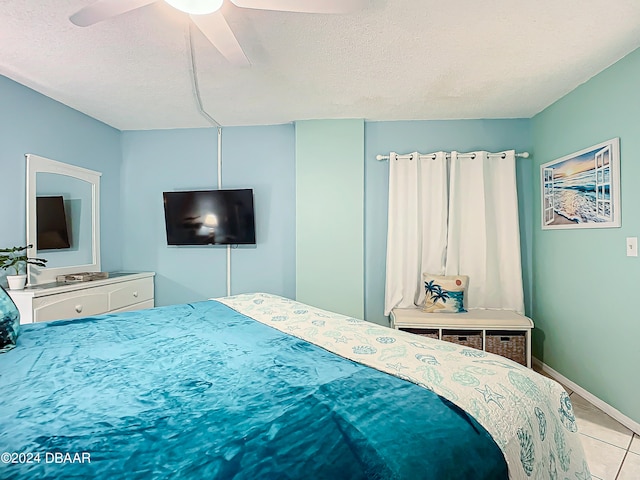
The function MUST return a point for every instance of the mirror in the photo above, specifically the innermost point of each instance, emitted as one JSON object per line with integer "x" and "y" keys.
{"x": 76, "y": 248}
{"x": 79, "y": 189}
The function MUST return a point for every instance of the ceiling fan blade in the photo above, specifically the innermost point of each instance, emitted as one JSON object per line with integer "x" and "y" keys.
{"x": 104, "y": 9}
{"x": 217, "y": 30}
{"x": 304, "y": 6}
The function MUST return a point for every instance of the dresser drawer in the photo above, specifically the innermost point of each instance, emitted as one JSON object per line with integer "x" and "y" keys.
{"x": 129, "y": 293}
{"x": 83, "y": 303}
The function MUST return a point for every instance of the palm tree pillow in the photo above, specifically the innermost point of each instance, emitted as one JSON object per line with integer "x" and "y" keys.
{"x": 9, "y": 322}
{"x": 444, "y": 293}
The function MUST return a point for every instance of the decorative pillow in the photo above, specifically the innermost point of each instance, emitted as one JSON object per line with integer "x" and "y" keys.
{"x": 444, "y": 293}
{"x": 9, "y": 322}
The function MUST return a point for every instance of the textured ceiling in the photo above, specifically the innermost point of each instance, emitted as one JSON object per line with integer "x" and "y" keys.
{"x": 394, "y": 60}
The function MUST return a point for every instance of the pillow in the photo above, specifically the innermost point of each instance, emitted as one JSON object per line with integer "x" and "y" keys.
{"x": 444, "y": 293}
{"x": 9, "y": 322}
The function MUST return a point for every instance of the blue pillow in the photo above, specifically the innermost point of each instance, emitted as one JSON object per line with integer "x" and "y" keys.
{"x": 9, "y": 322}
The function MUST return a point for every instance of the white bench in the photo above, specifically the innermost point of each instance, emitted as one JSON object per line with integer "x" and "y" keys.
{"x": 502, "y": 332}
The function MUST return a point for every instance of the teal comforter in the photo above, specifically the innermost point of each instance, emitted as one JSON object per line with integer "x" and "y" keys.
{"x": 201, "y": 391}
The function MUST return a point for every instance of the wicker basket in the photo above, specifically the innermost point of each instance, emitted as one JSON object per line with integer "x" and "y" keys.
{"x": 468, "y": 338}
{"x": 511, "y": 345}
{"x": 423, "y": 332}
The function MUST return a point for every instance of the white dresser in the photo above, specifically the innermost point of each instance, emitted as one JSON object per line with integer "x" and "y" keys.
{"x": 55, "y": 301}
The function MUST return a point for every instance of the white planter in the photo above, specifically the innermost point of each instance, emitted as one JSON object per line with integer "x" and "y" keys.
{"x": 16, "y": 282}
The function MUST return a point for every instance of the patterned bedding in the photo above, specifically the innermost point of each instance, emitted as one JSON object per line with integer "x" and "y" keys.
{"x": 529, "y": 416}
{"x": 211, "y": 390}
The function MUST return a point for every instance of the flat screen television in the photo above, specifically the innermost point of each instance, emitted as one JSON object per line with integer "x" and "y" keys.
{"x": 210, "y": 217}
{"x": 51, "y": 223}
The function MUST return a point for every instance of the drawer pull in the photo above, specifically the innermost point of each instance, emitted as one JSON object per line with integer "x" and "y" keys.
{"x": 79, "y": 308}
{"x": 135, "y": 294}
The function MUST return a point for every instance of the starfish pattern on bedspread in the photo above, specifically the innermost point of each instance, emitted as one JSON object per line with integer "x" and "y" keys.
{"x": 516, "y": 406}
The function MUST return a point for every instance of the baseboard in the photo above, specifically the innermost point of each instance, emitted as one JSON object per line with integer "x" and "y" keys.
{"x": 605, "y": 407}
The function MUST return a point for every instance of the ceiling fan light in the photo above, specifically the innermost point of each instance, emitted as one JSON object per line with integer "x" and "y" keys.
{"x": 196, "y": 7}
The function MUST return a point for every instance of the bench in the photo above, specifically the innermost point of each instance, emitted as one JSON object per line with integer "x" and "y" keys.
{"x": 502, "y": 332}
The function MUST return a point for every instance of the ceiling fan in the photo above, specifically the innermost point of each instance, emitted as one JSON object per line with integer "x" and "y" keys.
{"x": 208, "y": 18}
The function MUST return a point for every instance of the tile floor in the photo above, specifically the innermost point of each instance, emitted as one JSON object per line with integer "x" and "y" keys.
{"x": 612, "y": 450}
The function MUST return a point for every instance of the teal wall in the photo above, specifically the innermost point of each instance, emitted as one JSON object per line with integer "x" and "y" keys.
{"x": 587, "y": 324}
{"x": 138, "y": 165}
{"x": 164, "y": 160}
{"x": 329, "y": 215}
{"x": 431, "y": 136}
{"x": 33, "y": 123}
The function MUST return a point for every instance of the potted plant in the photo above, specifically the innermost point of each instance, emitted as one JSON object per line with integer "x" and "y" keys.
{"x": 16, "y": 258}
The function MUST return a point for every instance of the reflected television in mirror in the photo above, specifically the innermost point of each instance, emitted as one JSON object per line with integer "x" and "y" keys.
{"x": 52, "y": 229}
{"x": 210, "y": 217}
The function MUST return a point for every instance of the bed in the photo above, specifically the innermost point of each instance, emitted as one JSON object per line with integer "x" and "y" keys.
{"x": 260, "y": 386}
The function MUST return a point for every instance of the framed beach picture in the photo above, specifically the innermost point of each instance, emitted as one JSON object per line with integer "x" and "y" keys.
{"x": 582, "y": 190}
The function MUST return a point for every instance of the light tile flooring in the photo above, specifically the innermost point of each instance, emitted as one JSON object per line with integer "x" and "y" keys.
{"x": 612, "y": 450}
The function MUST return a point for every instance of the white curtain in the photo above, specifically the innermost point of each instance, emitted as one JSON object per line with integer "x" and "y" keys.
{"x": 458, "y": 222}
{"x": 417, "y": 225}
{"x": 484, "y": 237}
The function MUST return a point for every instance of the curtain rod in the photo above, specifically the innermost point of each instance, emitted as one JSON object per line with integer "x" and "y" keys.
{"x": 432, "y": 156}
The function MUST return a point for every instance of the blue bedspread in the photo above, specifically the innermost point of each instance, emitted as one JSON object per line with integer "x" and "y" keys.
{"x": 201, "y": 391}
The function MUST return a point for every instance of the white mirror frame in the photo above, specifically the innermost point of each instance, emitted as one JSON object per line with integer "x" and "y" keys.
{"x": 35, "y": 164}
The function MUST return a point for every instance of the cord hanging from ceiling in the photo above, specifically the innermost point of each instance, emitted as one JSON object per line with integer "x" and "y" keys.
{"x": 214, "y": 122}
{"x": 194, "y": 80}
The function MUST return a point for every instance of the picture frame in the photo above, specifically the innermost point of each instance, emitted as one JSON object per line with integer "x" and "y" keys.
{"x": 582, "y": 189}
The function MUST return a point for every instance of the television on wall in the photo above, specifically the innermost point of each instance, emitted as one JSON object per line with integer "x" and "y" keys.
{"x": 51, "y": 224}
{"x": 210, "y": 217}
